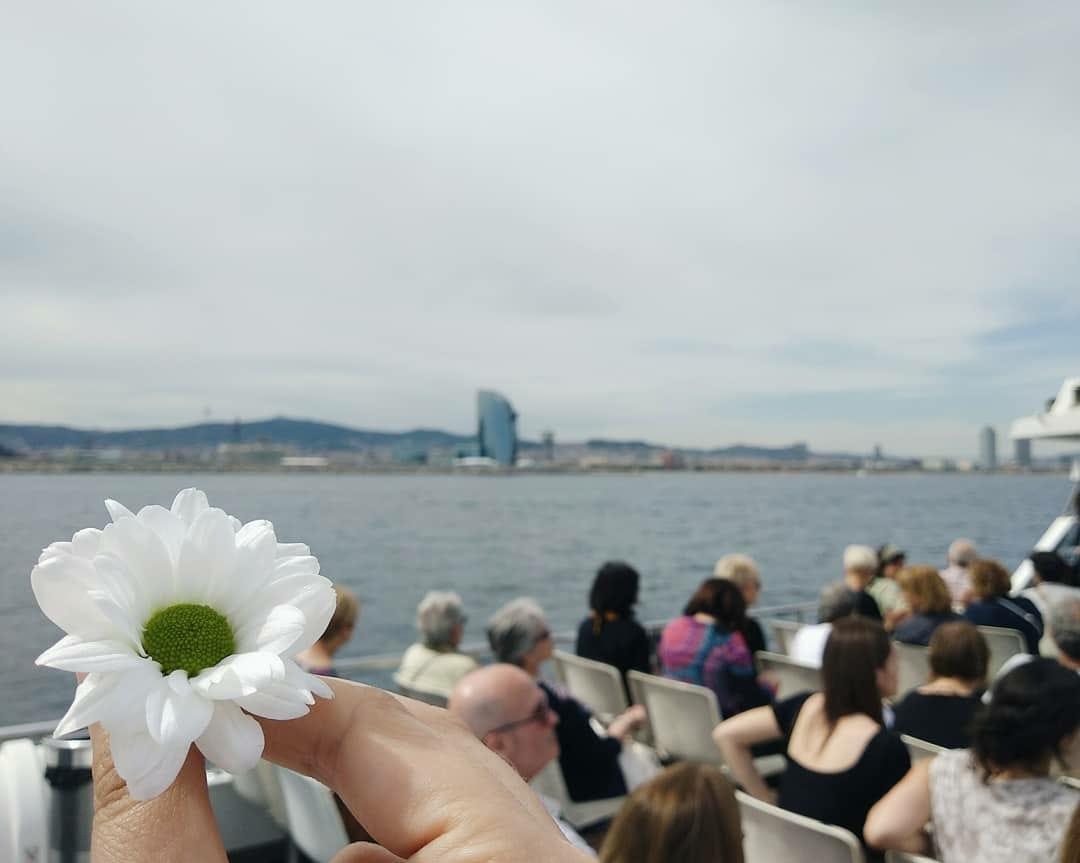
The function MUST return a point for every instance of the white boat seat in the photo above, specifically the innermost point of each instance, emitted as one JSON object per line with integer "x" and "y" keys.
{"x": 920, "y": 749}
{"x": 783, "y": 632}
{"x": 597, "y": 685}
{"x": 314, "y": 821}
{"x": 772, "y": 834}
{"x": 1004, "y": 643}
{"x": 914, "y": 668}
{"x": 793, "y": 676}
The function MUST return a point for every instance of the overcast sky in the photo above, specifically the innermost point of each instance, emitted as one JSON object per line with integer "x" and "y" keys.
{"x": 696, "y": 222}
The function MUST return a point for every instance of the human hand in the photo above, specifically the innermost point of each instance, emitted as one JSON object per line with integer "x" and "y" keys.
{"x": 627, "y": 721}
{"x": 417, "y": 780}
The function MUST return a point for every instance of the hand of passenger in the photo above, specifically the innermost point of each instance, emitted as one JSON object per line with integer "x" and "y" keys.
{"x": 627, "y": 722}
{"x": 896, "y": 617}
{"x": 417, "y": 780}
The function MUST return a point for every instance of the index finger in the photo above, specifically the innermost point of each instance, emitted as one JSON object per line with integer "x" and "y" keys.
{"x": 417, "y": 780}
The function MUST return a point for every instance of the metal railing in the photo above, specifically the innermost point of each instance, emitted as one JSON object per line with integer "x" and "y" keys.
{"x": 381, "y": 664}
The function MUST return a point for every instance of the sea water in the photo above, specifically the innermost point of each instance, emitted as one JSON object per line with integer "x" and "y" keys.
{"x": 491, "y": 538}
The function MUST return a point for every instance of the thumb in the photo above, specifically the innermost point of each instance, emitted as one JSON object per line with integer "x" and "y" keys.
{"x": 365, "y": 852}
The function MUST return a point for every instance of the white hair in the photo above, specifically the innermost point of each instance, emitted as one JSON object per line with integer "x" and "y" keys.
{"x": 962, "y": 552}
{"x": 438, "y": 613}
{"x": 515, "y": 629}
{"x": 741, "y": 569}
{"x": 860, "y": 558}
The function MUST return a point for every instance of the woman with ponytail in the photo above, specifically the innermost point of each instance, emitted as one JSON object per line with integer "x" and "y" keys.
{"x": 610, "y": 633}
{"x": 995, "y": 802}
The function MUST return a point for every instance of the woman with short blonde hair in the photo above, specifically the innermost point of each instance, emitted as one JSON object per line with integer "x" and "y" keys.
{"x": 928, "y": 597}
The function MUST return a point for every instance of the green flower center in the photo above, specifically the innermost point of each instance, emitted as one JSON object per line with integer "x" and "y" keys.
{"x": 188, "y": 636}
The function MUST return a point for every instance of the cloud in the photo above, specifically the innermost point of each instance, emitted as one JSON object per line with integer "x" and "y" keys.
{"x": 693, "y": 224}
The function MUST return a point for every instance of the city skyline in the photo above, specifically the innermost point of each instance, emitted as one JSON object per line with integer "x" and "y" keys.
{"x": 842, "y": 225}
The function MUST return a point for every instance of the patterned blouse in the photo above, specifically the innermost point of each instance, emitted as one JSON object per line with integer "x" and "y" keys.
{"x": 697, "y": 652}
{"x": 1005, "y": 821}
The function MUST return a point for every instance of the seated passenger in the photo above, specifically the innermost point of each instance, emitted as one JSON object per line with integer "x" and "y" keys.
{"x": 434, "y": 664}
{"x": 860, "y": 567}
{"x": 884, "y": 589}
{"x": 996, "y": 802}
{"x": 706, "y": 646}
{"x": 960, "y": 556}
{"x": 687, "y": 814}
{"x": 505, "y": 708}
{"x": 808, "y": 644}
{"x": 992, "y": 606}
{"x": 940, "y": 711}
{"x": 930, "y": 602}
{"x": 610, "y": 633}
{"x": 319, "y": 658}
{"x": 742, "y": 571}
{"x": 841, "y": 759}
{"x": 1054, "y": 581}
{"x": 519, "y": 635}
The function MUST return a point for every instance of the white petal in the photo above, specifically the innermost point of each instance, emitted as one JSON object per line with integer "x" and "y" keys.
{"x": 255, "y": 547}
{"x": 300, "y": 565}
{"x": 116, "y": 580}
{"x": 279, "y": 631}
{"x": 107, "y": 696}
{"x": 169, "y": 528}
{"x": 207, "y": 559}
{"x": 189, "y": 504}
{"x": 55, "y": 549}
{"x": 147, "y": 766}
{"x": 117, "y": 510}
{"x": 86, "y": 543}
{"x": 311, "y": 594}
{"x": 144, "y": 554}
{"x": 175, "y": 713}
{"x": 236, "y": 523}
{"x": 279, "y": 701}
{"x": 292, "y": 549}
{"x": 62, "y": 585}
{"x": 232, "y": 740}
{"x": 296, "y": 676}
{"x": 73, "y": 654}
{"x": 241, "y": 674}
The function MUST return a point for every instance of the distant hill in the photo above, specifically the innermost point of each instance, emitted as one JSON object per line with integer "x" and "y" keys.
{"x": 302, "y": 434}
{"x": 795, "y": 452}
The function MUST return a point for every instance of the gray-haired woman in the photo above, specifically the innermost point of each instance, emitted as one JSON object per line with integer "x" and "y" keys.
{"x": 434, "y": 664}
{"x": 519, "y": 634}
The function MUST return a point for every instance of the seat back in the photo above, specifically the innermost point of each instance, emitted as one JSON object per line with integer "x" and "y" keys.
{"x": 783, "y": 631}
{"x": 1003, "y": 643}
{"x": 550, "y": 782}
{"x": 314, "y": 821}
{"x": 907, "y": 857}
{"x": 920, "y": 749}
{"x": 914, "y": 666}
{"x": 597, "y": 685}
{"x": 772, "y": 834}
{"x": 434, "y": 698}
{"x": 682, "y": 716}
{"x": 792, "y": 676}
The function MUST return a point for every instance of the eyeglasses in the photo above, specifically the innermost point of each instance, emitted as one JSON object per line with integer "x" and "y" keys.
{"x": 539, "y": 714}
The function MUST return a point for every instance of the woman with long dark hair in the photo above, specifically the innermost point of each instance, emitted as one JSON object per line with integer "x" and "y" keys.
{"x": 707, "y": 646}
{"x": 610, "y": 633}
{"x": 841, "y": 759}
{"x": 995, "y": 803}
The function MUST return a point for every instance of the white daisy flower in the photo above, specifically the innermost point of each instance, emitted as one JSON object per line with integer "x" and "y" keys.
{"x": 183, "y": 619}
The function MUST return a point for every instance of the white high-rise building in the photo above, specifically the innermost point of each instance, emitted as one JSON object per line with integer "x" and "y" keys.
{"x": 988, "y": 449}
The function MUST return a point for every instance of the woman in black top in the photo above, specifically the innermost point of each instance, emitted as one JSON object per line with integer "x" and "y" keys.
{"x": 941, "y": 711}
{"x": 841, "y": 759}
{"x": 928, "y": 597}
{"x": 610, "y": 634}
{"x": 993, "y": 606}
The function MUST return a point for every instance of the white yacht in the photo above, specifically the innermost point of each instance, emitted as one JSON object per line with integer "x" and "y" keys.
{"x": 1060, "y": 421}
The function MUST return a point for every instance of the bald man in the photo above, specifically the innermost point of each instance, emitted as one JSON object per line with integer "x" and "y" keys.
{"x": 504, "y": 707}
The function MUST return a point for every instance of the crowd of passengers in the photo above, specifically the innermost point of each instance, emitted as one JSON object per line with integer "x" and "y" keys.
{"x": 995, "y": 793}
